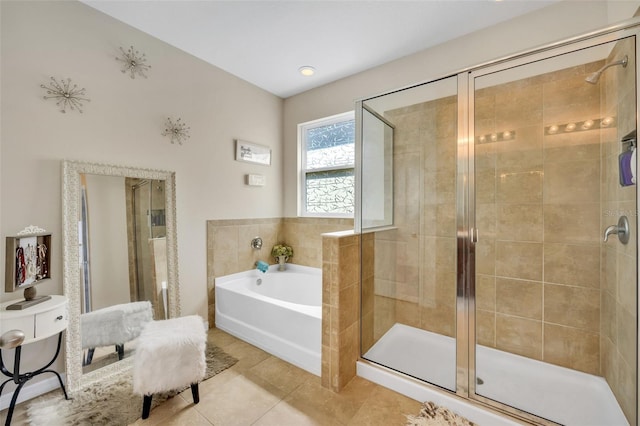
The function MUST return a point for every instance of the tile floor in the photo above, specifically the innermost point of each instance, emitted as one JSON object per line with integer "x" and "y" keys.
{"x": 263, "y": 390}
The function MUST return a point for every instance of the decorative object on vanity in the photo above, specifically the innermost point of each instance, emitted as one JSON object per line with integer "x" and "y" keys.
{"x": 19, "y": 328}
{"x": 177, "y": 130}
{"x": 434, "y": 415}
{"x": 65, "y": 94}
{"x": 27, "y": 263}
{"x": 83, "y": 185}
{"x": 133, "y": 62}
{"x": 282, "y": 253}
{"x": 253, "y": 153}
{"x": 111, "y": 401}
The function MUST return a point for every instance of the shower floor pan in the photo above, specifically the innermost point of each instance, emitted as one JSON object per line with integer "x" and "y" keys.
{"x": 560, "y": 394}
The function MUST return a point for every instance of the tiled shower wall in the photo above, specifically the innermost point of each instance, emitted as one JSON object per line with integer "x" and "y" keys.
{"x": 547, "y": 286}
{"x": 538, "y": 202}
{"x": 229, "y": 250}
{"x": 415, "y": 263}
{"x": 618, "y": 328}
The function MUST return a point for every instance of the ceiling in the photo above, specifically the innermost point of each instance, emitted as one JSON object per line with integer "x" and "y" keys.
{"x": 265, "y": 42}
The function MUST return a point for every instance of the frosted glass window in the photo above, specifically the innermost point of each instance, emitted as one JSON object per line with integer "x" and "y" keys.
{"x": 331, "y": 145}
{"x": 330, "y": 191}
{"x": 327, "y": 152}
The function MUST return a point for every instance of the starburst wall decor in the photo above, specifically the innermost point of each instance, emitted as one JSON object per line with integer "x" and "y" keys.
{"x": 65, "y": 94}
{"x": 133, "y": 62}
{"x": 177, "y": 130}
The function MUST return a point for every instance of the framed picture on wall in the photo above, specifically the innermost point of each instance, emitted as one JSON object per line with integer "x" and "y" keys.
{"x": 253, "y": 153}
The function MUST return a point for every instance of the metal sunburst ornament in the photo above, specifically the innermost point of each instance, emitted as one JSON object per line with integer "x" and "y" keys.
{"x": 66, "y": 95}
{"x": 177, "y": 130}
{"x": 133, "y": 62}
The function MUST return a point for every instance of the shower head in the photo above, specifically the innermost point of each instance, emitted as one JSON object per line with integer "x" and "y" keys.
{"x": 593, "y": 78}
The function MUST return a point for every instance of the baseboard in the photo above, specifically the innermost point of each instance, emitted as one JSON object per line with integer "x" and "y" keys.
{"x": 31, "y": 391}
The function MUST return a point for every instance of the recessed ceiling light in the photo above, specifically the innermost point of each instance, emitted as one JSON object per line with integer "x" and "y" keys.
{"x": 307, "y": 70}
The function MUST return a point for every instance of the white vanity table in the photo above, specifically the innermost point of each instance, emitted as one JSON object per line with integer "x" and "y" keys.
{"x": 37, "y": 322}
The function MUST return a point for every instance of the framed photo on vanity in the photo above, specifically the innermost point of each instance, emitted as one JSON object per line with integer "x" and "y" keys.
{"x": 253, "y": 153}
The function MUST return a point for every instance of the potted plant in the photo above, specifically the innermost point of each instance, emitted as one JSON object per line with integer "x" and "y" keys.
{"x": 282, "y": 253}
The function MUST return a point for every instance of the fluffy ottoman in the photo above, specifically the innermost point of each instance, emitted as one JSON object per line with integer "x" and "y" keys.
{"x": 170, "y": 356}
{"x": 114, "y": 325}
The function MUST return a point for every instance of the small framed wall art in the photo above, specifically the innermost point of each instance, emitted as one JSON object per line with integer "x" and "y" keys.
{"x": 253, "y": 153}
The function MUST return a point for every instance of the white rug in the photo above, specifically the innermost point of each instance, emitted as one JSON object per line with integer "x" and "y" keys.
{"x": 110, "y": 402}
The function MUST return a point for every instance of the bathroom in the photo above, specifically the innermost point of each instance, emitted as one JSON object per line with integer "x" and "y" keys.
{"x": 216, "y": 113}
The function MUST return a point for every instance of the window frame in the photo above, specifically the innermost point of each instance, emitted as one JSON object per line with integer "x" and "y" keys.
{"x": 302, "y": 161}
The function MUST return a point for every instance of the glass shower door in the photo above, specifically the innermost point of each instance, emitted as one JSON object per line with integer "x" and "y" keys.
{"x": 409, "y": 231}
{"x": 556, "y": 304}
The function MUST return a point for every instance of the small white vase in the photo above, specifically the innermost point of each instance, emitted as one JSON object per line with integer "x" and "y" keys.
{"x": 281, "y": 263}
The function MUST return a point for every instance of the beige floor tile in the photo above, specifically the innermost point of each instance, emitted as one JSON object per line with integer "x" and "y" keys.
{"x": 220, "y": 338}
{"x": 281, "y": 374}
{"x": 339, "y": 406}
{"x": 293, "y": 412}
{"x": 241, "y": 401}
{"x": 247, "y": 355}
{"x": 385, "y": 408}
{"x": 187, "y": 416}
{"x": 165, "y": 411}
{"x": 212, "y": 384}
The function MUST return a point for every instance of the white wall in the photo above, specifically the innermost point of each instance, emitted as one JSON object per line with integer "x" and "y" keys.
{"x": 122, "y": 125}
{"x": 108, "y": 240}
{"x": 559, "y": 21}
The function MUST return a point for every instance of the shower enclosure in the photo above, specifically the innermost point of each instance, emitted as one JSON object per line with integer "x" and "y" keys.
{"x": 147, "y": 229}
{"x": 498, "y": 268}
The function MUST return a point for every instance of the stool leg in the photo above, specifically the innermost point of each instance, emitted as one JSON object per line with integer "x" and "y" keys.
{"x": 120, "y": 350}
{"x": 89, "y": 356}
{"x": 195, "y": 392}
{"x": 146, "y": 406}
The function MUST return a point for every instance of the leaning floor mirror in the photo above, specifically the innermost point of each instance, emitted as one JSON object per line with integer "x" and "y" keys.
{"x": 120, "y": 263}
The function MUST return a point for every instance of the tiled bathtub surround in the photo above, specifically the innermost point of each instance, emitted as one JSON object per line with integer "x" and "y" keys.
{"x": 317, "y": 244}
{"x": 340, "y": 308}
{"x": 229, "y": 250}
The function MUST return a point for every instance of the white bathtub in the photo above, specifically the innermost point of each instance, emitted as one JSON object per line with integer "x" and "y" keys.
{"x": 278, "y": 311}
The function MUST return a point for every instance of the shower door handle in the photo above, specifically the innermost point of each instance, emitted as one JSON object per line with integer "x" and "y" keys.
{"x": 622, "y": 229}
{"x": 474, "y": 234}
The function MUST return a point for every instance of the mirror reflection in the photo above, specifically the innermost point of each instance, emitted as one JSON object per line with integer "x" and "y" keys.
{"x": 120, "y": 263}
{"x": 122, "y": 239}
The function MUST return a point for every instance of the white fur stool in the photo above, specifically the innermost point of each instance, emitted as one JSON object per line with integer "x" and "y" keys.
{"x": 170, "y": 356}
{"x": 114, "y": 325}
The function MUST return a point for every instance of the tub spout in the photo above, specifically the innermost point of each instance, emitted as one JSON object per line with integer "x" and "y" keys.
{"x": 613, "y": 229}
{"x": 262, "y": 266}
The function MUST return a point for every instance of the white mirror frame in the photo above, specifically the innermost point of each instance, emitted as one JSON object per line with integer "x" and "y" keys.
{"x": 71, "y": 196}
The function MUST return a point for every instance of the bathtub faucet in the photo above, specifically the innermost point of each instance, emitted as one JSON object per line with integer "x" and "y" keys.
{"x": 262, "y": 266}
